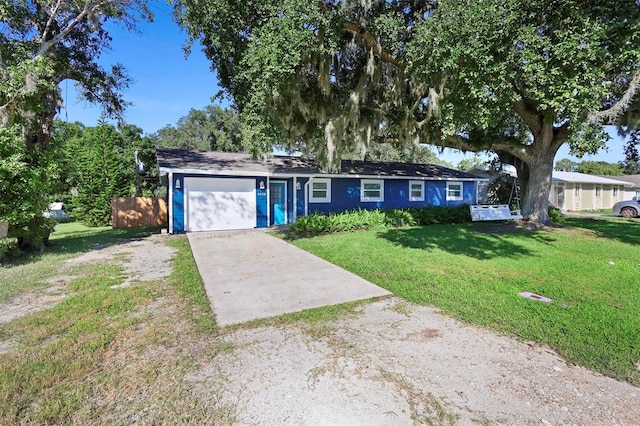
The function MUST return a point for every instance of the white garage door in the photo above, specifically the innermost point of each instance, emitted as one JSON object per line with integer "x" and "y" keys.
{"x": 218, "y": 204}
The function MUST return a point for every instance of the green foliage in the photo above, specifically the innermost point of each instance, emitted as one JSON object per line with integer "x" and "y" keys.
{"x": 388, "y": 152}
{"x": 28, "y": 178}
{"x": 599, "y": 168}
{"x": 556, "y": 215}
{"x": 361, "y": 219}
{"x": 566, "y": 165}
{"x": 501, "y": 191}
{"x": 103, "y": 169}
{"x": 211, "y": 129}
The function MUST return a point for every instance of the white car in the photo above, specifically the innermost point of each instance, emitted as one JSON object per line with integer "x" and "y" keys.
{"x": 630, "y": 208}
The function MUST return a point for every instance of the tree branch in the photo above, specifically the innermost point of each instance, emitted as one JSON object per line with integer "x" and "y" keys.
{"x": 51, "y": 20}
{"x": 511, "y": 145}
{"x": 610, "y": 115}
{"x": 81, "y": 16}
{"x": 530, "y": 117}
{"x": 362, "y": 32}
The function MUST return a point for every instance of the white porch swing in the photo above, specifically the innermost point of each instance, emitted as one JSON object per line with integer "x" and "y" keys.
{"x": 480, "y": 212}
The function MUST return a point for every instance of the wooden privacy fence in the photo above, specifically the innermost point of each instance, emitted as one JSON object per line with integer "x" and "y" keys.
{"x": 132, "y": 212}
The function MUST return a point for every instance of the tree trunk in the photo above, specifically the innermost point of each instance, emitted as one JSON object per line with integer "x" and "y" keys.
{"x": 535, "y": 201}
{"x": 534, "y": 179}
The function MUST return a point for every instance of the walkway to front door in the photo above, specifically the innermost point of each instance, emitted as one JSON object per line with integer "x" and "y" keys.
{"x": 278, "y": 202}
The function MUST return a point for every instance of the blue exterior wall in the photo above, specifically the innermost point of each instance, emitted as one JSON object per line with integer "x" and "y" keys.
{"x": 345, "y": 195}
{"x": 262, "y": 208}
{"x": 178, "y": 203}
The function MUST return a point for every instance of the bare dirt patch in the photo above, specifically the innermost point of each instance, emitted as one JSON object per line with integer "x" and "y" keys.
{"x": 386, "y": 368}
{"x": 143, "y": 259}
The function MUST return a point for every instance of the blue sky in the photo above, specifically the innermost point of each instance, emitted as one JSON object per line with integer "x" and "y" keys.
{"x": 167, "y": 85}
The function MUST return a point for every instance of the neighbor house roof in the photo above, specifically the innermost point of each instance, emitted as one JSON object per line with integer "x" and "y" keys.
{"x": 227, "y": 163}
{"x": 632, "y": 179}
{"x": 574, "y": 177}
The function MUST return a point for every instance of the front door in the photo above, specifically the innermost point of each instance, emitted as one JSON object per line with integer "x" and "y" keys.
{"x": 278, "y": 202}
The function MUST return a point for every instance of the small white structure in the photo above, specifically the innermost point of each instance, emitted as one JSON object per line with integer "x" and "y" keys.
{"x": 494, "y": 212}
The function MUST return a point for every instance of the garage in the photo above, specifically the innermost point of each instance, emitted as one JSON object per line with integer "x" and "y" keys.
{"x": 219, "y": 204}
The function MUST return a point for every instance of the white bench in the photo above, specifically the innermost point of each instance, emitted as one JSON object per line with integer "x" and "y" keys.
{"x": 495, "y": 212}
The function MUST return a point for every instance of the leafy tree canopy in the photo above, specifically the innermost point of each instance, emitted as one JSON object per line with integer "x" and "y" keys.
{"x": 599, "y": 168}
{"x": 518, "y": 78}
{"x": 101, "y": 164}
{"x": 42, "y": 43}
{"x": 211, "y": 129}
{"x": 566, "y": 165}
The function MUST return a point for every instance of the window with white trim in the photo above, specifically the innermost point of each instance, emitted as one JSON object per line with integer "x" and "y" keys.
{"x": 598, "y": 191}
{"x": 577, "y": 190}
{"x": 615, "y": 191}
{"x": 320, "y": 191}
{"x": 371, "y": 190}
{"x": 416, "y": 190}
{"x": 454, "y": 191}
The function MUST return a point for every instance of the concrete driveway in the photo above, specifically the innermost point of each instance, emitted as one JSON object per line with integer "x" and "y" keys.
{"x": 250, "y": 275}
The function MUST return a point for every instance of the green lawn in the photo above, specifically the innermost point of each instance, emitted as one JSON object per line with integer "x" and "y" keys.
{"x": 590, "y": 268}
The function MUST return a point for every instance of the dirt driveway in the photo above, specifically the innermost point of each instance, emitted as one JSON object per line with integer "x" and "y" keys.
{"x": 386, "y": 363}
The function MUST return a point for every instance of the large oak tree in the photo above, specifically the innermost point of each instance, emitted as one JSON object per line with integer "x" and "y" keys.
{"x": 517, "y": 78}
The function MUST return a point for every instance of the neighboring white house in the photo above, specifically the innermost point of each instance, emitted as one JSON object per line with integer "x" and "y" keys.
{"x": 630, "y": 191}
{"x": 579, "y": 191}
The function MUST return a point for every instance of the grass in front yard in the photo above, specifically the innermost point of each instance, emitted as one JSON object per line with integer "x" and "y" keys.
{"x": 105, "y": 355}
{"x": 43, "y": 379}
{"x": 590, "y": 269}
{"x": 68, "y": 240}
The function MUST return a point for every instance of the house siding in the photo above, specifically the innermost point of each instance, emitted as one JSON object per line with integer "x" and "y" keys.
{"x": 345, "y": 195}
{"x": 178, "y": 203}
{"x": 262, "y": 205}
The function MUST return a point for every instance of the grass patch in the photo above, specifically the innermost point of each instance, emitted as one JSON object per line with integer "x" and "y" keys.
{"x": 187, "y": 282}
{"x": 68, "y": 240}
{"x": 111, "y": 356}
{"x": 41, "y": 380}
{"x": 474, "y": 272}
{"x": 311, "y": 317}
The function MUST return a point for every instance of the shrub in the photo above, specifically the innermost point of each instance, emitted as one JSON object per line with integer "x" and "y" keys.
{"x": 556, "y": 215}
{"x": 360, "y": 219}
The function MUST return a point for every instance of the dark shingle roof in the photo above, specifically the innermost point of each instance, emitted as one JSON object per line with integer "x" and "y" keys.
{"x": 231, "y": 162}
{"x": 371, "y": 168}
{"x": 220, "y": 162}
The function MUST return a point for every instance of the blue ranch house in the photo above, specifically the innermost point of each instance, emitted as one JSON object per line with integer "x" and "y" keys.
{"x": 209, "y": 191}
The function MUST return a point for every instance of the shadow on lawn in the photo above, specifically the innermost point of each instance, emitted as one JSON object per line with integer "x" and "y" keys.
{"x": 624, "y": 230}
{"x": 464, "y": 240}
